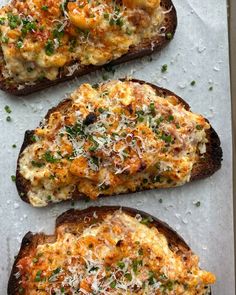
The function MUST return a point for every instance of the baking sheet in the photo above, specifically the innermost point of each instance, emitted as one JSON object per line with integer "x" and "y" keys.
{"x": 199, "y": 52}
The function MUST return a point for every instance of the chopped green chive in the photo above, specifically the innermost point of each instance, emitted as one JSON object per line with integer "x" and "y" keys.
{"x": 13, "y": 178}
{"x": 37, "y": 164}
{"x": 49, "y": 47}
{"x": 5, "y": 39}
{"x": 128, "y": 276}
{"x": 8, "y": 118}
{"x": 14, "y": 146}
{"x": 152, "y": 107}
{"x": 164, "y": 68}
{"x": 169, "y": 36}
{"x": 44, "y": 7}
{"x": 120, "y": 264}
{"x": 199, "y": 127}
{"x": 198, "y": 204}
{"x": 166, "y": 138}
{"x": 170, "y": 118}
{"x": 210, "y": 88}
{"x": 7, "y": 109}
{"x": 146, "y": 221}
{"x": 19, "y": 44}
{"x": 38, "y": 276}
{"x": 193, "y": 83}
{"x": 49, "y": 157}
{"x": 113, "y": 284}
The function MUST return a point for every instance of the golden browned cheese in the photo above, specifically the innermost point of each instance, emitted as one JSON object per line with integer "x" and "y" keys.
{"x": 40, "y": 36}
{"x": 112, "y": 138}
{"x": 117, "y": 255}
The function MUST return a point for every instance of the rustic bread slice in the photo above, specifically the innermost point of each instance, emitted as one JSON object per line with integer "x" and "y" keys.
{"x": 146, "y": 47}
{"x": 204, "y": 166}
{"x": 88, "y": 228}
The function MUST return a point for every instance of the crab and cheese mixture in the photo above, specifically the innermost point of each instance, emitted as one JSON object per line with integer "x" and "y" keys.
{"x": 38, "y": 37}
{"x": 119, "y": 255}
{"x": 112, "y": 138}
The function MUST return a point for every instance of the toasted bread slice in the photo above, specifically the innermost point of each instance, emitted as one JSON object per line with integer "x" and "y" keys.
{"x": 43, "y": 45}
{"x": 108, "y": 250}
{"x": 113, "y": 138}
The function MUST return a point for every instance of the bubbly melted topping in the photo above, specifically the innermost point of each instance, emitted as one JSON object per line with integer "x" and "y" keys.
{"x": 112, "y": 138}
{"x": 119, "y": 255}
{"x": 38, "y": 37}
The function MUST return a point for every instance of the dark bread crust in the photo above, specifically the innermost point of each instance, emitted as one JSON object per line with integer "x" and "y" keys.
{"x": 146, "y": 48}
{"x": 205, "y": 167}
{"x": 69, "y": 221}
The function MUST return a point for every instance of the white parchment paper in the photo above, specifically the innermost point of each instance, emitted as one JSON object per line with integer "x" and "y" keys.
{"x": 199, "y": 52}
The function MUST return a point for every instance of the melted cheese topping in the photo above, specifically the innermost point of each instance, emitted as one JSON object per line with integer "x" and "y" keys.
{"x": 119, "y": 255}
{"x": 112, "y": 138}
{"x": 38, "y": 37}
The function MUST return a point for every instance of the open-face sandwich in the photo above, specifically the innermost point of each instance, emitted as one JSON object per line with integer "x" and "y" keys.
{"x": 108, "y": 250}
{"x": 113, "y": 138}
{"x": 44, "y": 42}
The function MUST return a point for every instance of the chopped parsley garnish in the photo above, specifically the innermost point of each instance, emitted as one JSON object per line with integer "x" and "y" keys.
{"x": 113, "y": 284}
{"x": 44, "y": 7}
{"x": 19, "y": 44}
{"x": 33, "y": 138}
{"x": 2, "y": 20}
{"x": 7, "y": 109}
{"x": 49, "y": 47}
{"x": 135, "y": 265}
{"x": 199, "y": 127}
{"x": 128, "y": 276}
{"x": 164, "y": 68}
{"x": 193, "y": 83}
{"x": 28, "y": 26}
{"x": 58, "y": 33}
{"x": 14, "y": 146}
{"x": 84, "y": 32}
{"x": 8, "y": 118}
{"x": 140, "y": 115}
{"x": 151, "y": 278}
{"x": 56, "y": 271}
{"x": 160, "y": 201}
{"x": 210, "y": 88}
{"x": 152, "y": 107}
{"x": 116, "y": 19}
{"x": 94, "y": 147}
{"x": 13, "y": 178}
{"x": 146, "y": 220}
{"x": 198, "y": 204}
{"x": 38, "y": 276}
{"x": 121, "y": 264}
{"x": 170, "y": 118}
{"x": 13, "y": 20}
{"x": 50, "y": 158}
{"x": 75, "y": 130}
{"x": 166, "y": 138}
{"x": 4, "y": 39}
{"x": 106, "y": 15}
{"x": 94, "y": 160}
{"x": 169, "y": 36}
{"x": 37, "y": 164}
